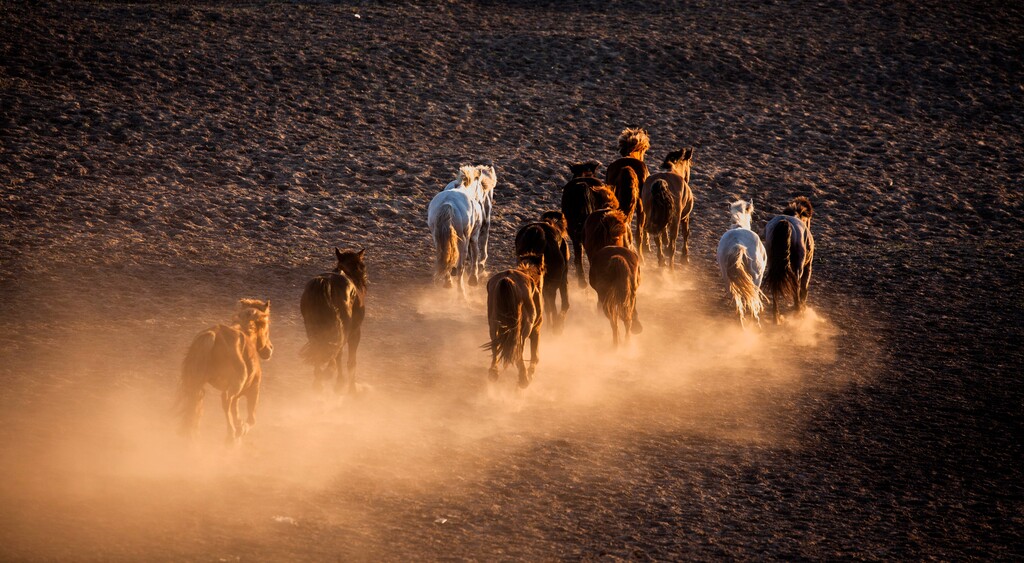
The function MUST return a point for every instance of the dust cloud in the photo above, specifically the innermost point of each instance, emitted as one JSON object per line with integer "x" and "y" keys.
{"x": 92, "y": 465}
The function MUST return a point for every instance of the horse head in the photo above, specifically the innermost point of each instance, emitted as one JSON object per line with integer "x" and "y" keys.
{"x": 488, "y": 179}
{"x": 254, "y": 318}
{"x": 557, "y": 221}
{"x": 801, "y": 208}
{"x": 584, "y": 169}
{"x": 351, "y": 264}
{"x": 634, "y": 143}
{"x": 741, "y": 212}
{"x": 679, "y": 162}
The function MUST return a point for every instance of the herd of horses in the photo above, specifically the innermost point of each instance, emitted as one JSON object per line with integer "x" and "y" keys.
{"x": 611, "y": 221}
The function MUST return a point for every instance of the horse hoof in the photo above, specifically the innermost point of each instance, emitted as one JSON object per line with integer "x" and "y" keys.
{"x": 447, "y": 284}
{"x": 492, "y": 374}
{"x": 637, "y": 328}
{"x": 473, "y": 281}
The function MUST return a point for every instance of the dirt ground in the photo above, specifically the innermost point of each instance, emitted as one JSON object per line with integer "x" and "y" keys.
{"x": 159, "y": 162}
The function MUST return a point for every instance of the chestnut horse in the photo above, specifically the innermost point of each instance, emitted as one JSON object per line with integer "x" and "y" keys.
{"x": 333, "y": 306}
{"x": 628, "y": 174}
{"x": 668, "y": 202}
{"x": 790, "y": 254}
{"x": 615, "y": 275}
{"x": 515, "y": 312}
{"x": 606, "y": 225}
{"x": 547, "y": 238}
{"x": 577, "y": 204}
{"x": 228, "y": 358}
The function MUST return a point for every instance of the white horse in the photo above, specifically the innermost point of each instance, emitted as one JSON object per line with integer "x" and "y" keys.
{"x": 455, "y": 218}
{"x": 486, "y": 180}
{"x": 742, "y": 259}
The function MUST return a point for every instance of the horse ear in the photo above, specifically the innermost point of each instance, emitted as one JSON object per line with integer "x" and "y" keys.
{"x": 360, "y": 254}
{"x": 266, "y": 308}
{"x": 337, "y": 253}
{"x": 688, "y": 153}
{"x": 750, "y": 206}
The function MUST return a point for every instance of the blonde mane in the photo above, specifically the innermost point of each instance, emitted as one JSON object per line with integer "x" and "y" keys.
{"x": 634, "y": 142}
{"x": 467, "y": 175}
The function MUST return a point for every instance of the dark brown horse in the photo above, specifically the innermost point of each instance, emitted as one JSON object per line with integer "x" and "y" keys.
{"x": 615, "y": 275}
{"x": 668, "y": 201}
{"x": 228, "y": 358}
{"x": 790, "y": 249}
{"x": 548, "y": 238}
{"x": 606, "y": 225}
{"x": 333, "y": 307}
{"x": 577, "y": 204}
{"x": 515, "y": 311}
{"x": 633, "y": 146}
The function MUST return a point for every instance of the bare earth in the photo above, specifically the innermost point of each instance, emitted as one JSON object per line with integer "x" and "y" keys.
{"x": 158, "y": 162}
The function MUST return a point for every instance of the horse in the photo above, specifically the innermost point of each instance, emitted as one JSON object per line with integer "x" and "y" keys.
{"x": 615, "y": 275}
{"x": 547, "y": 237}
{"x": 577, "y": 204}
{"x": 515, "y": 311}
{"x": 488, "y": 180}
{"x": 456, "y": 218}
{"x": 668, "y": 202}
{"x": 633, "y": 145}
{"x": 227, "y": 357}
{"x": 333, "y": 306}
{"x": 742, "y": 258}
{"x": 790, "y": 254}
{"x": 606, "y": 225}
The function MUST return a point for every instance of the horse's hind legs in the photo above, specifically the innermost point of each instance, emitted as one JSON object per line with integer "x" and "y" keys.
{"x": 230, "y": 406}
{"x": 577, "y": 253}
{"x": 252, "y": 398}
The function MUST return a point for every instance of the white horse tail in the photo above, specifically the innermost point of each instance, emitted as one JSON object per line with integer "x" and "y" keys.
{"x": 447, "y": 240}
{"x": 741, "y": 284}
{"x": 193, "y": 380}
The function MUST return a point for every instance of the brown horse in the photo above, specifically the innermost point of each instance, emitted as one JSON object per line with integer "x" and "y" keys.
{"x": 615, "y": 275}
{"x": 790, "y": 248}
{"x": 577, "y": 204}
{"x": 548, "y": 238}
{"x": 633, "y": 146}
{"x": 228, "y": 358}
{"x": 606, "y": 225}
{"x": 515, "y": 312}
{"x": 668, "y": 201}
{"x": 333, "y": 306}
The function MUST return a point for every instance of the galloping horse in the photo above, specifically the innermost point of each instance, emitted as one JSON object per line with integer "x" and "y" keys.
{"x": 577, "y": 204}
{"x": 515, "y": 312}
{"x": 456, "y": 219}
{"x": 606, "y": 225}
{"x": 547, "y": 238}
{"x": 668, "y": 202}
{"x": 742, "y": 258}
{"x": 488, "y": 179}
{"x": 333, "y": 306}
{"x": 633, "y": 145}
{"x": 228, "y": 358}
{"x": 615, "y": 275}
{"x": 790, "y": 253}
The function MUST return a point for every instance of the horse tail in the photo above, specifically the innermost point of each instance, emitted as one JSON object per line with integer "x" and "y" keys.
{"x": 619, "y": 300}
{"x": 193, "y": 380}
{"x": 447, "y": 242}
{"x": 662, "y": 205}
{"x": 779, "y": 277}
{"x": 531, "y": 239}
{"x": 507, "y": 318}
{"x": 741, "y": 284}
{"x": 322, "y": 322}
{"x": 627, "y": 190}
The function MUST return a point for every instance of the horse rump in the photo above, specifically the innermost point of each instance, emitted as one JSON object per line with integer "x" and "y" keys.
{"x": 627, "y": 190}
{"x": 741, "y": 284}
{"x": 505, "y": 317}
{"x": 663, "y": 207}
{"x": 323, "y": 325}
{"x": 779, "y": 277}
{"x": 531, "y": 239}
{"x": 193, "y": 381}
{"x": 447, "y": 240}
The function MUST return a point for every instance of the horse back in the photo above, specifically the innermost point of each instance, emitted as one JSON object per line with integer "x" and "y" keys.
{"x": 801, "y": 243}
{"x": 676, "y": 184}
{"x": 602, "y": 259}
{"x": 638, "y": 166}
{"x": 224, "y": 356}
{"x": 576, "y": 204}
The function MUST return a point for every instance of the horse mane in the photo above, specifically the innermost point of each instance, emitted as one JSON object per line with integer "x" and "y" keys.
{"x": 614, "y": 224}
{"x": 467, "y": 175}
{"x": 556, "y": 219}
{"x": 251, "y": 311}
{"x": 633, "y": 141}
{"x": 488, "y": 177}
{"x": 674, "y": 158}
{"x": 584, "y": 169}
{"x": 531, "y": 263}
{"x": 604, "y": 197}
{"x": 800, "y": 207}
{"x": 740, "y": 208}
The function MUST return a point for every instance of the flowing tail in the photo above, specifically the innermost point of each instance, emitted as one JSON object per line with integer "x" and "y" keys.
{"x": 627, "y": 190}
{"x": 447, "y": 243}
{"x": 619, "y": 300}
{"x": 323, "y": 326}
{"x": 507, "y": 311}
{"x": 741, "y": 283}
{"x": 662, "y": 207}
{"x": 779, "y": 277}
{"x": 193, "y": 380}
